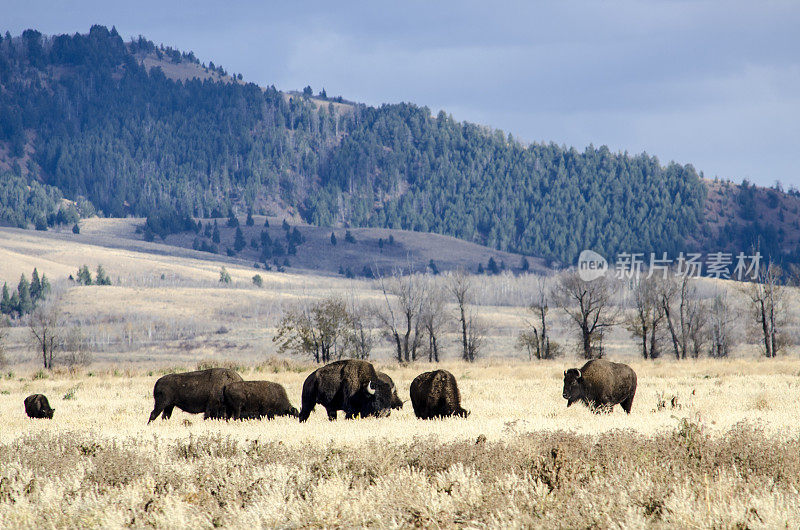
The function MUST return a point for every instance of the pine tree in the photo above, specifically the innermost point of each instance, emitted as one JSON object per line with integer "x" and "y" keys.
{"x": 333, "y": 239}
{"x": 76, "y": 229}
{"x": 250, "y": 221}
{"x": 45, "y": 290}
{"x": 5, "y": 301}
{"x": 25, "y": 303}
{"x": 239, "y": 243}
{"x": 36, "y": 286}
{"x": 215, "y": 235}
{"x": 84, "y": 276}
{"x": 102, "y": 278}
{"x": 14, "y": 303}
{"x": 492, "y": 266}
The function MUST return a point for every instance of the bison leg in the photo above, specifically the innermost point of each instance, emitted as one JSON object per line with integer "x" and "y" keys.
{"x": 158, "y": 409}
{"x": 627, "y": 404}
{"x": 167, "y": 412}
{"x": 332, "y": 414}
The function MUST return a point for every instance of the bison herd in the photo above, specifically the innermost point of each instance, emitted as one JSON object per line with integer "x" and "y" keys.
{"x": 355, "y": 387}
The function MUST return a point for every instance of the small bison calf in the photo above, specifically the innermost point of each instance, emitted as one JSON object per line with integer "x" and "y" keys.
{"x": 435, "y": 395}
{"x": 256, "y": 399}
{"x": 600, "y": 384}
{"x": 36, "y": 406}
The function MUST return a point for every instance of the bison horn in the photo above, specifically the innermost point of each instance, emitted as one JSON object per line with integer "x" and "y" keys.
{"x": 579, "y": 374}
{"x": 369, "y": 388}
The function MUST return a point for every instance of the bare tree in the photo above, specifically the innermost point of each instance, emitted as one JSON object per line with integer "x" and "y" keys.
{"x": 75, "y": 350}
{"x": 460, "y": 286}
{"x": 433, "y": 317}
{"x": 476, "y": 336}
{"x": 765, "y": 295}
{"x": 362, "y": 338}
{"x": 321, "y": 330}
{"x": 404, "y": 296}
{"x": 720, "y": 324}
{"x": 535, "y": 338}
{"x": 685, "y": 315}
{"x": 648, "y": 316}
{"x": 589, "y": 305}
{"x": 45, "y": 325}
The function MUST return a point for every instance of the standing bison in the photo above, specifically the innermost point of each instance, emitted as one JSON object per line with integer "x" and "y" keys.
{"x": 256, "y": 399}
{"x": 600, "y": 384}
{"x": 192, "y": 392}
{"x": 37, "y": 406}
{"x": 396, "y": 402}
{"x": 352, "y": 386}
{"x": 435, "y": 395}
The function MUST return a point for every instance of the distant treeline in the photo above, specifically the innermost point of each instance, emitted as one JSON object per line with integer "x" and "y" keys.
{"x": 132, "y": 141}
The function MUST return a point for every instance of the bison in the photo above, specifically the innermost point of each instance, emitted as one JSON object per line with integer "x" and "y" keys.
{"x": 256, "y": 399}
{"x": 352, "y": 386}
{"x": 396, "y": 402}
{"x": 600, "y": 384}
{"x": 192, "y": 392}
{"x": 36, "y": 406}
{"x": 435, "y": 395}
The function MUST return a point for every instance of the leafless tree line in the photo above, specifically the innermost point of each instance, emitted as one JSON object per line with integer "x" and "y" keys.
{"x": 413, "y": 316}
{"x": 665, "y": 313}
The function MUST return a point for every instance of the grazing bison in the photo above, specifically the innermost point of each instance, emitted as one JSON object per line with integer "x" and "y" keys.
{"x": 601, "y": 384}
{"x": 192, "y": 392}
{"x": 435, "y": 395}
{"x": 36, "y": 406}
{"x": 396, "y": 402}
{"x": 256, "y": 399}
{"x": 352, "y": 386}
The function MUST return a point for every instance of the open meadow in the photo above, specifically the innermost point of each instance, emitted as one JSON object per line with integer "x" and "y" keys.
{"x": 709, "y": 442}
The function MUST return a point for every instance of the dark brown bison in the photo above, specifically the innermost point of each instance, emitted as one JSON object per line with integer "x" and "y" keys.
{"x": 435, "y": 395}
{"x": 36, "y": 406}
{"x": 256, "y": 399}
{"x": 192, "y": 392}
{"x": 352, "y": 386}
{"x": 601, "y": 384}
{"x": 396, "y": 402}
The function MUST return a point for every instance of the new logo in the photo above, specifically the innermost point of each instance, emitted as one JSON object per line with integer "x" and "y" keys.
{"x": 591, "y": 265}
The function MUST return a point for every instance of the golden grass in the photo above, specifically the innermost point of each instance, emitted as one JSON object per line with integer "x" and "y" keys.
{"x": 98, "y": 463}
{"x": 709, "y": 443}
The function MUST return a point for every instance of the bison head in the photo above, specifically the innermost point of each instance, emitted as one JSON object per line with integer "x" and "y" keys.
{"x": 396, "y": 402}
{"x": 378, "y": 400}
{"x": 573, "y": 386}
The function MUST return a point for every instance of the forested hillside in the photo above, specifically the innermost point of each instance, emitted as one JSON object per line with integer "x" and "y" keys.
{"x": 105, "y": 125}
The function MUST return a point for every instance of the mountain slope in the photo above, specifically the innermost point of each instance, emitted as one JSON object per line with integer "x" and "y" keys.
{"x": 135, "y": 129}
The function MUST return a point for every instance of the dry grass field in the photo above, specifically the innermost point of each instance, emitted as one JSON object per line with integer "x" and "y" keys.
{"x": 709, "y": 443}
{"x": 724, "y": 453}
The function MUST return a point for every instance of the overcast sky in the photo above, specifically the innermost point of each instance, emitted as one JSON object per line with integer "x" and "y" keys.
{"x": 711, "y": 83}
